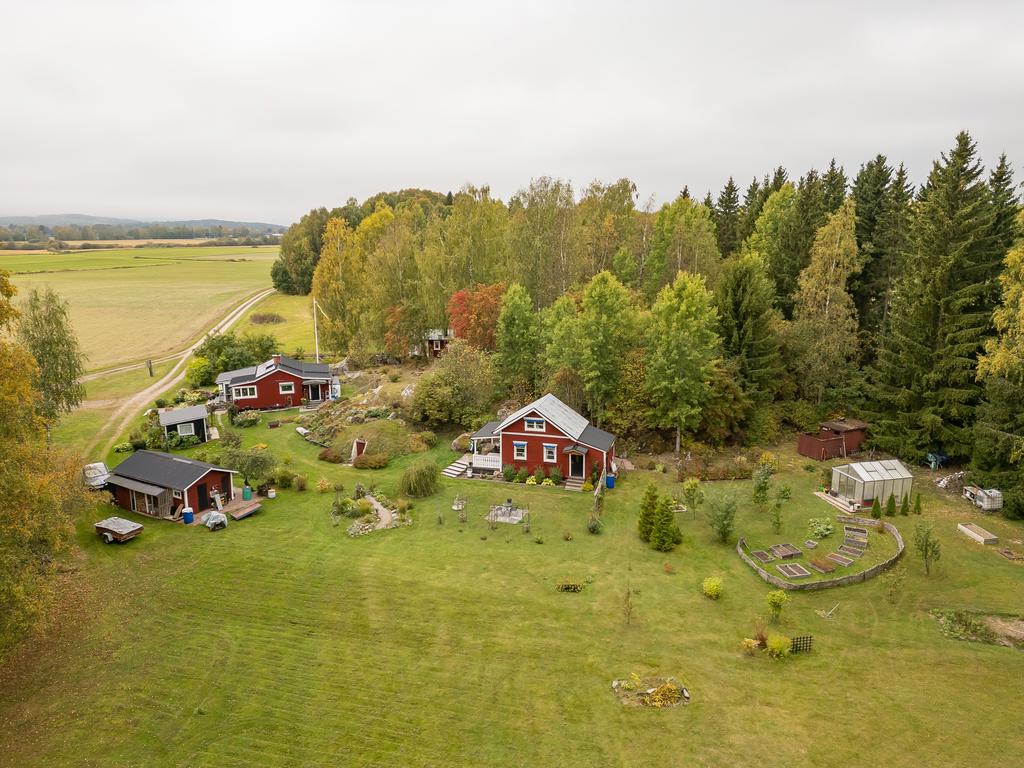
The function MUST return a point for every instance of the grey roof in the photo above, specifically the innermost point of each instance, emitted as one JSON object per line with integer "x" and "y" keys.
{"x": 135, "y": 485}
{"x": 873, "y": 471}
{"x": 318, "y": 371}
{"x": 181, "y": 415}
{"x": 844, "y": 425}
{"x": 487, "y": 430}
{"x": 597, "y": 438}
{"x": 163, "y": 469}
{"x": 555, "y": 411}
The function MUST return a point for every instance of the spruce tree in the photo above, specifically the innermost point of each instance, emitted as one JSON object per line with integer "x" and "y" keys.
{"x": 876, "y": 509}
{"x": 727, "y": 218}
{"x": 905, "y": 505}
{"x": 835, "y": 186}
{"x": 890, "y": 506}
{"x": 645, "y": 522}
{"x": 776, "y": 237}
{"x": 924, "y": 384}
{"x": 752, "y": 202}
{"x": 917, "y": 504}
{"x": 665, "y": 534}
{"x": 749, "y": 324}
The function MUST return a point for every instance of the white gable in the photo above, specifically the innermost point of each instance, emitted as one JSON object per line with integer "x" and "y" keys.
{"x": 555, "y": 411}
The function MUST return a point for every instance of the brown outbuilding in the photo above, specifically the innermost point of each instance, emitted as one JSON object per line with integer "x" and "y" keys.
{"x": 835, "y": 438}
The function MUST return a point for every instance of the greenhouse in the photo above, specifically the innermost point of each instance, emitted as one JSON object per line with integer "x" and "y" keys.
{"x": 865, "y": 481}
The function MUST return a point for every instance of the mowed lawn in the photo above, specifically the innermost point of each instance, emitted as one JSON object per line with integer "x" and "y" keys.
{"x": 133, "y": 303}
{"x": 282, "y": 642}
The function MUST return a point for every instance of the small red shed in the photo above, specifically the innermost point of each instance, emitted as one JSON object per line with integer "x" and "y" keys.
{"x": 835, "y": 438}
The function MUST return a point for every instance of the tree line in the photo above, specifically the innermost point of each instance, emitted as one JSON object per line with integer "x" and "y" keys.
{"x": 15, "y": 235}
{"x": 722, "y": 320}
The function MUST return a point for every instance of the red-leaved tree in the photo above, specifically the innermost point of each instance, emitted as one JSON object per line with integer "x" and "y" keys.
{"x": 473, "y": 314}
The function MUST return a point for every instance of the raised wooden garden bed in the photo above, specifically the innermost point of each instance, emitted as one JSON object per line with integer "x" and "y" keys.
{"x": 821, "y": 565}
{"x": 976, "y": 532}
{"x": 838, "y": 559}
{"x": 761, "y": 556}
{"x": 785, "y": 551}
{"x": 793, "y": 571}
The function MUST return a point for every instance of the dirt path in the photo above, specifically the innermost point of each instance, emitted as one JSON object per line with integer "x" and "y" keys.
{"x": 386, "y": 518}
{"x": 132, "y": 366}
{"x": 121, "y": 418}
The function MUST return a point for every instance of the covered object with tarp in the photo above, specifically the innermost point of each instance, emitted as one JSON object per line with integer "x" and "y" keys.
{"x": 864, "y": 481}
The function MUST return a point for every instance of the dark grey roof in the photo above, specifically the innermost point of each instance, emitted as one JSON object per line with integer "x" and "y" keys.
{"x": 319, "y": 371}
{"x": 597, "y": 438}
{"x": 182, "y": 415}
{"x": 163, "y": 469}
{"x": 487, "y": 430}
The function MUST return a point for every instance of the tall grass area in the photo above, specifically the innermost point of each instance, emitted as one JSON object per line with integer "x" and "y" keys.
{"x": 129, "y": 304}
{"x": 282, "y": 642}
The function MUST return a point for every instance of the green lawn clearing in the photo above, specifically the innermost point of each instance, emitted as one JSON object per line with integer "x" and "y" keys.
{"x": 295, "y": 333}
{"x": 282, "y": 642}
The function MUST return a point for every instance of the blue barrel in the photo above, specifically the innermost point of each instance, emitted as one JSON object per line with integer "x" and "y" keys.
{"x": 187, "y": 517}
{"x": 246, "y": 493}
{"x": 609, "y": 481}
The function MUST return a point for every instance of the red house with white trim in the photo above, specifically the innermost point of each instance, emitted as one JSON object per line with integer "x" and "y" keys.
{"x": 281, "y": 382}
{"x": 161, "y": 484}
{"x": 547, "y": 433}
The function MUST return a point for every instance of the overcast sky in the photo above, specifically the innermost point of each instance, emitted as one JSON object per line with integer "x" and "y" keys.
{"x": 261, "y": 110}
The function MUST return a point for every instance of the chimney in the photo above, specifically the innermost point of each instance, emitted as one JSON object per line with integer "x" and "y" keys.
{"x": 276, "y": 359}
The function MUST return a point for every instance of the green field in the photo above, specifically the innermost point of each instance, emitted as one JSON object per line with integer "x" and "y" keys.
{"x": 282, "y": 642}
{"x": 294, "y": 333}
{"x": 133, "y": 303}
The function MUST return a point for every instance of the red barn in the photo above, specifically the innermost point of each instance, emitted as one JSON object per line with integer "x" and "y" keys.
{"x": 281, "y": 382}
{"x": 547, "y": 433}
{"x": 839, "y": 437}
{"x": 161, "y": 485}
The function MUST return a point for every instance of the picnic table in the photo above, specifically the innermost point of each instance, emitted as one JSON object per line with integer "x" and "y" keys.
{"x": 117, "y": 529}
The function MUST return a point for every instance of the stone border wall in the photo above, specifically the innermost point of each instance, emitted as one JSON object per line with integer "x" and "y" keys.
{"x": 839, "y": 581}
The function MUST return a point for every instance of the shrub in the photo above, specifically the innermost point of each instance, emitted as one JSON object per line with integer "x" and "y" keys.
{"x": 420, "y": 479}
{"x": 569, "y": 586}
{"x": 588, "y": 486}
{"x": 820, "y": 527}
{"x": 371, "y": 461}
{"x": 265, "y": 318}
{"x": 300, "y": 482}
{"x": 665, "y": 534}
{"x": 531, "y": 480}
{"x": 777, "y": 600}
{"x": 538, "y": 539}
{"x": 556, "y": 476}
{"x": 778, "y": 646}
{"x": 722, "y": 518}
{"x": 377, "y": 413}
{"x": 538, "y": 475}
{"x": 330, "y": 455}
{"x": 768, "y": 461}
{"x": 139, "y": 444}
{"x": 393, "y": 377}
{"x": 567, "y": 536}
{"x": 548, "y": 481}
{"x": 509, "y": 473}
{"x": 665, "y": 695}
{"x": 521, "y": 475}
{"x": 403, "y": 506}
{"x": 712, "y": 587}
{"x": 917, "y": 504}
{"x": 285, "y": 478}
{"x": 428, "y": 437}
{"x": 123, "y": 448}
{"x": 246, "y": 419}
{"x": 364, "y": 505}
{"x": 659, "y": 468}
{"x": 160, "y": 402}
{"x": 760, "y": 632}
{"x": 876, "y": 509}
{"x": 594, "y": 525}
{"x": 323, "y": 485}
{"x": 749, "y": 645}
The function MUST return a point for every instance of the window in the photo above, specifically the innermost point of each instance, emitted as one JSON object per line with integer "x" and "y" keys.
{"x": 176, "y": 494}
{"x": 241, "y": 393}
{"x": 550, "y": 453}
{"x": 186, "y": 429}
{"x": 437, "y": 345}
{"x": 286, "y": 387}
{"x": 534, "y": 425}
{"x": 519, "y": 451}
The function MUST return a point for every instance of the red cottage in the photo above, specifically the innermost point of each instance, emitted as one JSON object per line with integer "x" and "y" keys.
{"x": 281, "y": 382}
{"x": 547, "y": 433}
{"x": 161, "y": 485}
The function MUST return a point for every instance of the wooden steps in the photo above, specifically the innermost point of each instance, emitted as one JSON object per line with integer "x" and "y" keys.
{"x": 456, "y": 469}
{"x": 574, "y": 483}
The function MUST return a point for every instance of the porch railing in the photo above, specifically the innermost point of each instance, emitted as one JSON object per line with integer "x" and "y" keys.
{"x": 490, "y": 461}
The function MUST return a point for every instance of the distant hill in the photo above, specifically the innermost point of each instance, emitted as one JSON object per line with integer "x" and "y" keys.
{"x": 82, "y": 220}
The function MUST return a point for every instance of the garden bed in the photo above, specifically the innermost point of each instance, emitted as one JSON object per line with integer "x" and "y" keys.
{"x": 655, "y": 692}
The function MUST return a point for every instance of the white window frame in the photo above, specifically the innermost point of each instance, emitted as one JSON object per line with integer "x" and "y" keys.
{"x": 188, "y": 425}
{"x": 551, "y": 458}
{"x": 518, "y": 447}
{"x": 281, "y": 387}
{"x": 176, "y": 494}
{"x": 534, "y": 420}
{"x": 237, "y": 392}
{"x": 437, "y": 345}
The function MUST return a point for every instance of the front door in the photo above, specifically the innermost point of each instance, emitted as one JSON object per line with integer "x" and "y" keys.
{"x": 204, "y": 497}
{"x": 575, "y": 465}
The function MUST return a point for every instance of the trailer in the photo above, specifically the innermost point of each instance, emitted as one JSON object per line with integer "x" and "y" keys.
{"x": 117, "y": 529}
{"x": 985, "y": 499}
